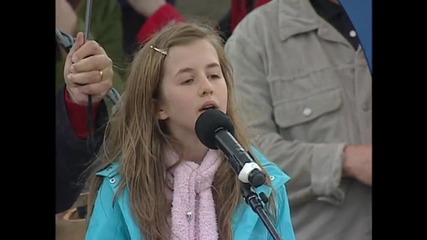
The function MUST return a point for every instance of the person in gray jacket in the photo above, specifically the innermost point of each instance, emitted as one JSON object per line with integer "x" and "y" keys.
{"x": 306, "y": 92}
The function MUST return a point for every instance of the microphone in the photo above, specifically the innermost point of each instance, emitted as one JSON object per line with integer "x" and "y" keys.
{"x": 215, "y": 130}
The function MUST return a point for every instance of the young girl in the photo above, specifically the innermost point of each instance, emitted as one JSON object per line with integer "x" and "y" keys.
{"x": 157, "y": 180}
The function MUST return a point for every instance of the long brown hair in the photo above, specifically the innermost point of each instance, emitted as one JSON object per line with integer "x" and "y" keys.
{"x": 135, "y": 137}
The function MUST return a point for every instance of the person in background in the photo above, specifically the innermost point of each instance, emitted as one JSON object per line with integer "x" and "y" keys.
{"x": 88, "y": 71}
{"x": 154, "y": 14}
{"x": 141, "y": 18}
{"x": 238, "y": 10}
{"x": 74, "y": 151}
{"x": 306, "y": 92}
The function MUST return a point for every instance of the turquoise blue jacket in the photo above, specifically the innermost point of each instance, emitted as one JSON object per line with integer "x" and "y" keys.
{"x": 114, "y": 221}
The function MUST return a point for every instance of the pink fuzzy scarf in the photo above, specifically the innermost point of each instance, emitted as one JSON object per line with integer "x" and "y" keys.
{"x": 193, "y": 207}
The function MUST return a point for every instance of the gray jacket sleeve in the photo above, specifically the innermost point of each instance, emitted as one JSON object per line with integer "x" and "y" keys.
{"x": 314, "y": 168}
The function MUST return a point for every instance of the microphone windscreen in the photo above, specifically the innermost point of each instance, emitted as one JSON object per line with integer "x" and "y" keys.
{"x": 209, "y": 123}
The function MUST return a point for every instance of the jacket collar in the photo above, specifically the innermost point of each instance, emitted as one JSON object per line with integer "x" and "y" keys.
{"x": 298, "y": 16}
{"x": 110, "y": 171}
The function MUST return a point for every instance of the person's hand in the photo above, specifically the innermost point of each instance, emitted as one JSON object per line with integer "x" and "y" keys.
{"x": 358, "y": 163}
{"x": 66, "y": 17}
{"x": 146, "y": 7}
{"x": 88, "y": 71}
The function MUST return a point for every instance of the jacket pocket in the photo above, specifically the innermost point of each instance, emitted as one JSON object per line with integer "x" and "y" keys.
{"x": 297, "y": 111}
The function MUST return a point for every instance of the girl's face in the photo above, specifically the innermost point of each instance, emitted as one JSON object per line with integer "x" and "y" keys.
{"x": 192, "y": 82}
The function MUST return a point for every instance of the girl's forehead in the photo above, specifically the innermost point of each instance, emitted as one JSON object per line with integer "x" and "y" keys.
{"x": 197, "y": 52}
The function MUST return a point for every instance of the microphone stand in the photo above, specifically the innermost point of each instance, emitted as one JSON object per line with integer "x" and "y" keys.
{"x": 253, "y": 200}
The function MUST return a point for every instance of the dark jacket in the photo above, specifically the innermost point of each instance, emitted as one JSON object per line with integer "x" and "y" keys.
{"x": 73, "y": 155}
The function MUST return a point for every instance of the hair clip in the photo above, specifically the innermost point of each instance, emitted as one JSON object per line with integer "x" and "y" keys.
{"x": 162, "y": 51}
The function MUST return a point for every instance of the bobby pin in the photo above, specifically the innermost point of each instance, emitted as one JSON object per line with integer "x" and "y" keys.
{"x": 162, "y": 51}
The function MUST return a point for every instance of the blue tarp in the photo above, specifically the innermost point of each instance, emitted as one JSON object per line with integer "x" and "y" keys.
{"x": 360, "y": 14}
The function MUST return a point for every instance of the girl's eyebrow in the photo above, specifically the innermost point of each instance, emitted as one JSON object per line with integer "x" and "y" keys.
{"x": 184, "y": 70}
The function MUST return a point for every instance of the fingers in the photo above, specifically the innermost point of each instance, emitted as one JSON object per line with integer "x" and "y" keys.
{"x": 77, "y": 44}
{"x": 90, "y": 48}
{"x": 90, "y": 77}
{"x": 97, "y": 90}
{"x": 96, "y": 62}
{"x": 82, "y": 99}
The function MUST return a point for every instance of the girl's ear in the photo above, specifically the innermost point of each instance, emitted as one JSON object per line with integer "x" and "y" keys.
{"x": 161, "y": 113}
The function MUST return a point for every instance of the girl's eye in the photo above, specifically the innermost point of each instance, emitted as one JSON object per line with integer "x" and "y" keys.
{"x": 214, "y": 76}
{"x": 187, "y": 81}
